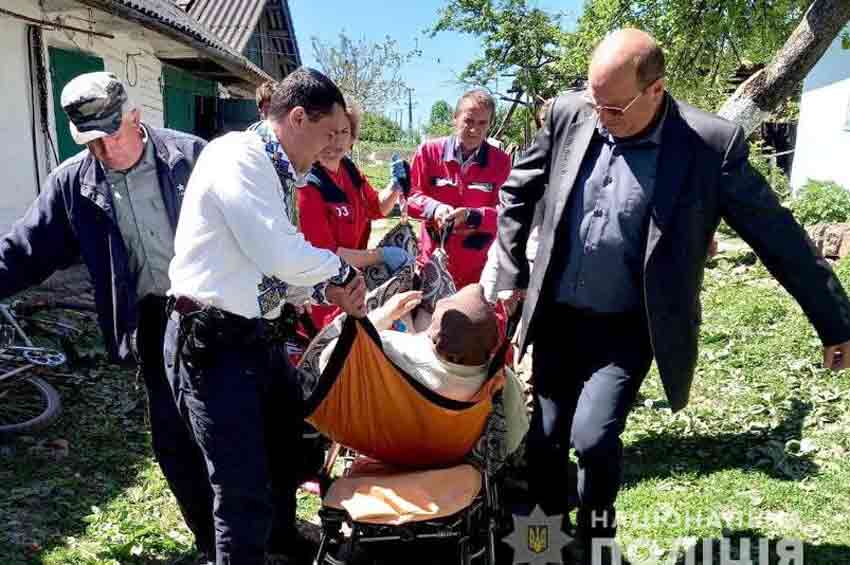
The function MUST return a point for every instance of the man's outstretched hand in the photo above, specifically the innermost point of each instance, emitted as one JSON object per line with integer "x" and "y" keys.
{"x": 837, "y": 357}
{"x": 351, "y": 297}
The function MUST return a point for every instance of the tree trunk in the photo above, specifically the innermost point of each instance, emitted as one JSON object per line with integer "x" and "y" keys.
{"x": 510, "y": 113}
{"x": 765, "y": 90}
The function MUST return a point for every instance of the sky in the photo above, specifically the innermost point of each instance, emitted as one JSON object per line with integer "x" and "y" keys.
{"x": 432, "y": 76}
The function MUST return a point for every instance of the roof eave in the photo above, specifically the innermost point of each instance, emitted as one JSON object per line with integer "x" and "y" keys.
{"x": 248, "y": 74}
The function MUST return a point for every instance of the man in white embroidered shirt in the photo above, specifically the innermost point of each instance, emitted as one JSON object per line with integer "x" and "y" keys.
{"x": 238, "y": 258}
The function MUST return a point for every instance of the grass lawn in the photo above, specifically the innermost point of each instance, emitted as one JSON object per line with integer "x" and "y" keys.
{"x": 761, "y": 451}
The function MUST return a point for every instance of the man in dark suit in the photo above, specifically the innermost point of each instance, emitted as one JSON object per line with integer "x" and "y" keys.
{"x": 634, "y": 184}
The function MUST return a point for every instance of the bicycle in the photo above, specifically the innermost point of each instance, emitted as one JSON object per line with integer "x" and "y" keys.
{"x": 28, "y": 403}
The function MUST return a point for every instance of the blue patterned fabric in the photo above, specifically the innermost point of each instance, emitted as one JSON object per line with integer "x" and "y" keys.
{"x": 282, "y": 166}
{"x": 271, "y": 291}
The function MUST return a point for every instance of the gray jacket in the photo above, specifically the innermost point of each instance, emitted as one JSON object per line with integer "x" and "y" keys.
{"x": 703, "y": 176}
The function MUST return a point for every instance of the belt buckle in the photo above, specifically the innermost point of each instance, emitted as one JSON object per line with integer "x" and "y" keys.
{"x": 184, "y": 306}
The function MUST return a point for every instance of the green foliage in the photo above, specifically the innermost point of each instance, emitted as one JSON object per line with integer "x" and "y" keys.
{"x": 440, "y": 122}
{"x": 706, "y": 43}
{"x": 821, "y": 202}
{"x": 518, "y": 40}
{"x": 378, "y": 128}
{"x": 441, "y": 113}
{"x": 439, "y": 130}
{"x": 378, "y": 174}
{"x": 373, "y": 158}
{"x": 411, "y": 137}
{"x": 700, "y": 58}
{"x": 775, "y": 177}
{"x": 521, "y": 128}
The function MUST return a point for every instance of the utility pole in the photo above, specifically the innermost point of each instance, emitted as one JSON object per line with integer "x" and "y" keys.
{"x": 410, "y": 109}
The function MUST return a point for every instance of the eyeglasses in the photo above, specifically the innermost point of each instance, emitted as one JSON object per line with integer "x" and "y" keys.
{"x": 615, "y": 111}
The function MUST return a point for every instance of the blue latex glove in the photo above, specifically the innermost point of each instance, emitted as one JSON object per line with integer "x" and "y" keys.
{"x": 398, "y": 172}
{"x": 395, "y": 258}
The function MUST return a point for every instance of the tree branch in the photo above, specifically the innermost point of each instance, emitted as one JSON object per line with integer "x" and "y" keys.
{"x": 765, "y": 90}
{"x": 508, "y": 116}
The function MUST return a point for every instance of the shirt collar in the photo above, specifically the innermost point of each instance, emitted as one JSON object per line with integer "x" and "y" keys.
{"x": 653, "y": 136}
{"x": 452, "y": 152}
{"x": 275, "y": 151}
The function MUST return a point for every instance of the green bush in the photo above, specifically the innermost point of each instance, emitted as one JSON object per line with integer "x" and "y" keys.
{"x": 821, "y": 202}
{"x": 440, "y": 130}
{"x": 411, "y": 138}
{"x": 440, "y": 123}
{"x": 380, "y": 129}
{"x": 780, "y": 184}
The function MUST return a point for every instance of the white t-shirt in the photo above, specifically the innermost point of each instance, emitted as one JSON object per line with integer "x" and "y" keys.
{"x": 235, "y": 247}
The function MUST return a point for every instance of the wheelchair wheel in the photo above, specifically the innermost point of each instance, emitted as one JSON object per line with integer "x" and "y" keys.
{"x": 27, "y": 405}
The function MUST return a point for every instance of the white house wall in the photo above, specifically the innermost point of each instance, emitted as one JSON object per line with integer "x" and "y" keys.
{"x": 144, "y": 85}
{"x": 17, "y": 161}
{"x": 823, "y": 134}
{"x": 17, "y": 157}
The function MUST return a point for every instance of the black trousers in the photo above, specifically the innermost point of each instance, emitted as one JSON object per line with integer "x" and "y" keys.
{"x": 240, "y": 397}
{"x": 587, "y": 369}
{"x": 173, "y": 445}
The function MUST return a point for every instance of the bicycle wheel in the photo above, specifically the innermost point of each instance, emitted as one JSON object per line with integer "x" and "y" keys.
{"x": 27, "y": 405}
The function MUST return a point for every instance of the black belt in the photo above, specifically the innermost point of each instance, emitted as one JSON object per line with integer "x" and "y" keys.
{"x": 183, "y": 305}
{"x": 233, "y": 328}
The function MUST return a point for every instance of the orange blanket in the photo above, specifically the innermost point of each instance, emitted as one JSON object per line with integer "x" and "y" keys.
{"x": 366, "y": 403}
{"x": 377, "y": 494}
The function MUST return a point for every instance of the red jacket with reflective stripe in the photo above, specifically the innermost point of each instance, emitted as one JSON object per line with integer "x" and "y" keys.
{"x": 335, "y": 209}
{"x": 438, "y": 178}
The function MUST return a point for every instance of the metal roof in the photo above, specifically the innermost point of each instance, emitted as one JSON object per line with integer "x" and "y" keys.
{"x": 236, "y": 21}
{"x": 164, "y": 17}
{"x": 233, "y": 21}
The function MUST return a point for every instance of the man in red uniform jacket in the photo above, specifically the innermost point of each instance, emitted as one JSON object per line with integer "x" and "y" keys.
{"x": 457, "y": 179}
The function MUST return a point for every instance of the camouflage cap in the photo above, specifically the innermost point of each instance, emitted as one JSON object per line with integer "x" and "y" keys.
{"x": 95, "y": 104}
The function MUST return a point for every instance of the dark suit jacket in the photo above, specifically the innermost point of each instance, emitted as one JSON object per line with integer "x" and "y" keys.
{"x": 703, "y": 176}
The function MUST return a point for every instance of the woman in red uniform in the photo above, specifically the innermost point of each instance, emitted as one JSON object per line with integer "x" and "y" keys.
{"x": 337, "y": 205}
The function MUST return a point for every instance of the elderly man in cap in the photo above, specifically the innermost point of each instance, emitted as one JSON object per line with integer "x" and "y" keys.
{"x": 116, "y": 204}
